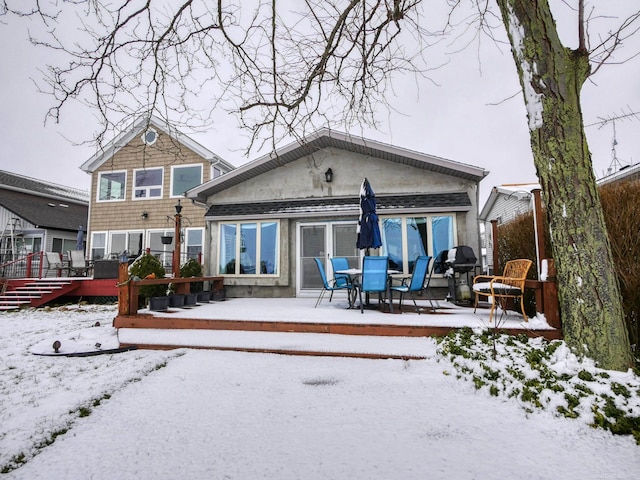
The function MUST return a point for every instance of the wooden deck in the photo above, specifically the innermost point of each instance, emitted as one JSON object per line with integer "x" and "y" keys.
{"x": 287, "y": 326}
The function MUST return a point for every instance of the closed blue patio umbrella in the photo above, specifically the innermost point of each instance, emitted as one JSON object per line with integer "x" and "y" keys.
{"x": 368, "y": 228}
{"x": 80, "y": 238}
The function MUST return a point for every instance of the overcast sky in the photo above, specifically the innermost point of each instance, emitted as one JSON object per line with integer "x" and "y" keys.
{"x": 463, "y": 116}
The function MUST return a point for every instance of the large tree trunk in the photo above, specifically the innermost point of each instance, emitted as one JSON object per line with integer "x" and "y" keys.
{"x": 551, "y": 77}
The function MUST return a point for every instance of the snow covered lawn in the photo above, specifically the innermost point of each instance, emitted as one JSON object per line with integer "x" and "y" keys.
{"x": 209, "y": 414}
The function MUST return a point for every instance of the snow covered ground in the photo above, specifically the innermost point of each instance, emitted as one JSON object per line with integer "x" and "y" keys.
{"x": 198, "y": 414}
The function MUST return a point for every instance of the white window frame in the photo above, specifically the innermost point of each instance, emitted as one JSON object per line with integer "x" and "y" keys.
{"x": 176, "y": 167}
{"x": 187, "y": 244}
{"x": 124, "y": 191}
{"x": 93, "y": 239}
{"x": 405, "y": 244}
{"x": 127, "y": 234}
{"x": 258, "y": 224}
{"x": 147, "y": 189}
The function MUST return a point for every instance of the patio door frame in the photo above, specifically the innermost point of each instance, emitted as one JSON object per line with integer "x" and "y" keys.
{"x": 329, "y": 249}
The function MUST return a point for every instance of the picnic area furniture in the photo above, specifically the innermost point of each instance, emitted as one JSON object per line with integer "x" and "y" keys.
{"x": 337, "y": 264}
{"x": 54, "y": 262}
{"x": 77, "y": 262}
{"x": 374, "y": 279}
{"x": 330, "y": 286}
{"x": 500, "y": 288}
{"x": 416, "y": 284}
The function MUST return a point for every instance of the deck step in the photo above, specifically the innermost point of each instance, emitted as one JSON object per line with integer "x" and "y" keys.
{"x": 7, "y": 308}
{"x": 13, "y": 301}
{"x": 288, "y": 343}
{"x": 32, "y": 293}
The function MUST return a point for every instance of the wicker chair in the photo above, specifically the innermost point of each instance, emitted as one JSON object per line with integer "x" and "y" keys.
{"x": 500, "y": 288}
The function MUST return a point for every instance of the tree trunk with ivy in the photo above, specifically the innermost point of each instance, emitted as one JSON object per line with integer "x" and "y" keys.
{"x": 551, "y": 76}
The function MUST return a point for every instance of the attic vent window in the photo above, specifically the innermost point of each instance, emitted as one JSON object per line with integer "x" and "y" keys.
{"x": 150, "y": 136}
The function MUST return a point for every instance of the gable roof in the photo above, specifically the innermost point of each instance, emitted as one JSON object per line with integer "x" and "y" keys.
{"x": 326, "y": 138}
{"x": 520, "y": 191}
{"x": 44, "y": 204}
{"x": 317, "y": 207}
{"x": 44, "y": 213}
{"x": 140, "y": 125}
{"x": 22, "y": 183}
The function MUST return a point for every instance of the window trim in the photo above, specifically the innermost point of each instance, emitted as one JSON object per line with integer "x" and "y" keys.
{"x": 134, "y": 188}
{"x": 92, "y": 247}
{"x": 186, "y": 243}
{"x": 174, "y": 168}
{"x": 258, "y": 224}
{"x": 405, "y": 246}
{"x": 124, "y": 193}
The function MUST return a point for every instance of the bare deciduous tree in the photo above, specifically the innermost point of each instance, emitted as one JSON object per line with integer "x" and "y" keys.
{"x": 283, "y": 66}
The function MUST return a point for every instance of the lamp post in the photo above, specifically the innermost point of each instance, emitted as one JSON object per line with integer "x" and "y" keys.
{"x": 124, "y": 292}
{"x": 176, "y": 236}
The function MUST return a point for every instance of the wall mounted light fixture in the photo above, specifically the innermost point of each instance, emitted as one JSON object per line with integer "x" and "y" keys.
{"x": 145, "y": 215}
{"x": 328, "y": 175}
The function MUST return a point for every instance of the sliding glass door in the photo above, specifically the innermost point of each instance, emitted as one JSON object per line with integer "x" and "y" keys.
{"x": 323, "y": 240}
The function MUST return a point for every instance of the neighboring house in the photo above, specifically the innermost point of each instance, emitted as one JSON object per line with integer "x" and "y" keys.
{"x": 137, "y": 179}
{"x": 505, "y": 203}
{"x": 628, "y": 172}
{"x": 508, "y": 201}
{"x": 37, "y": 215}
{"x": 268, "y": 219}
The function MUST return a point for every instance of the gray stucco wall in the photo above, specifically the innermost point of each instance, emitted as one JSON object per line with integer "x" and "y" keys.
{"x": 305, "y": 178}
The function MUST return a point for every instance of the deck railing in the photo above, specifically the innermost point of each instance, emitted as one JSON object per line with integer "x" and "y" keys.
{"x": 29, "y": 266}
{"x": 128, "y": 288}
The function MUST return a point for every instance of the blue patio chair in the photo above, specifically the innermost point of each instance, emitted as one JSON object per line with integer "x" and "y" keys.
{"x": 326, "y": 286}
{"x": 416, "y": 284}
{"x": 340, "y": 263}
{"x": 374, "y": 278}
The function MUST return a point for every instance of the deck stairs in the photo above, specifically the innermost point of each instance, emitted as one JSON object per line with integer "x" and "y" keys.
{"x": 35, "y": 292}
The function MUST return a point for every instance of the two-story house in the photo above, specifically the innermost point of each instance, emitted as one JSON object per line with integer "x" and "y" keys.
{"x": 137, "y": 179}
{"x": 37, "y": 215}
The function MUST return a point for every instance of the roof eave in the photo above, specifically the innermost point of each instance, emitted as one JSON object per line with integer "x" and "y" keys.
{"x": 317, "y": 140}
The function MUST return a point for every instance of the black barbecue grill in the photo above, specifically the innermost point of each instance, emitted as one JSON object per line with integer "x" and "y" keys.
{"x": 452, "y": 263}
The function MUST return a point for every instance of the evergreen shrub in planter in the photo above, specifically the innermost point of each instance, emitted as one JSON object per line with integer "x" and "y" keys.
{"x": 146, "y": 265}
{"x": 192, "y": 269}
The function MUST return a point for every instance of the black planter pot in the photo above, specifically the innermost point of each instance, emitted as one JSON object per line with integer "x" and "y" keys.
{"x": 219, "y": 295}
{"x": 158, "y": 304}
{"x": 176, "y": 300}
{"x": 166, "y": 240}
{"x": 190, "y": 299}
{"x": 204, "y": 297}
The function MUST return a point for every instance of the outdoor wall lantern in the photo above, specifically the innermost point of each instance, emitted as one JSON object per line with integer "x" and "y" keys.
{"x": 145, "y": 215}
{"x": 328, "y": 175}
